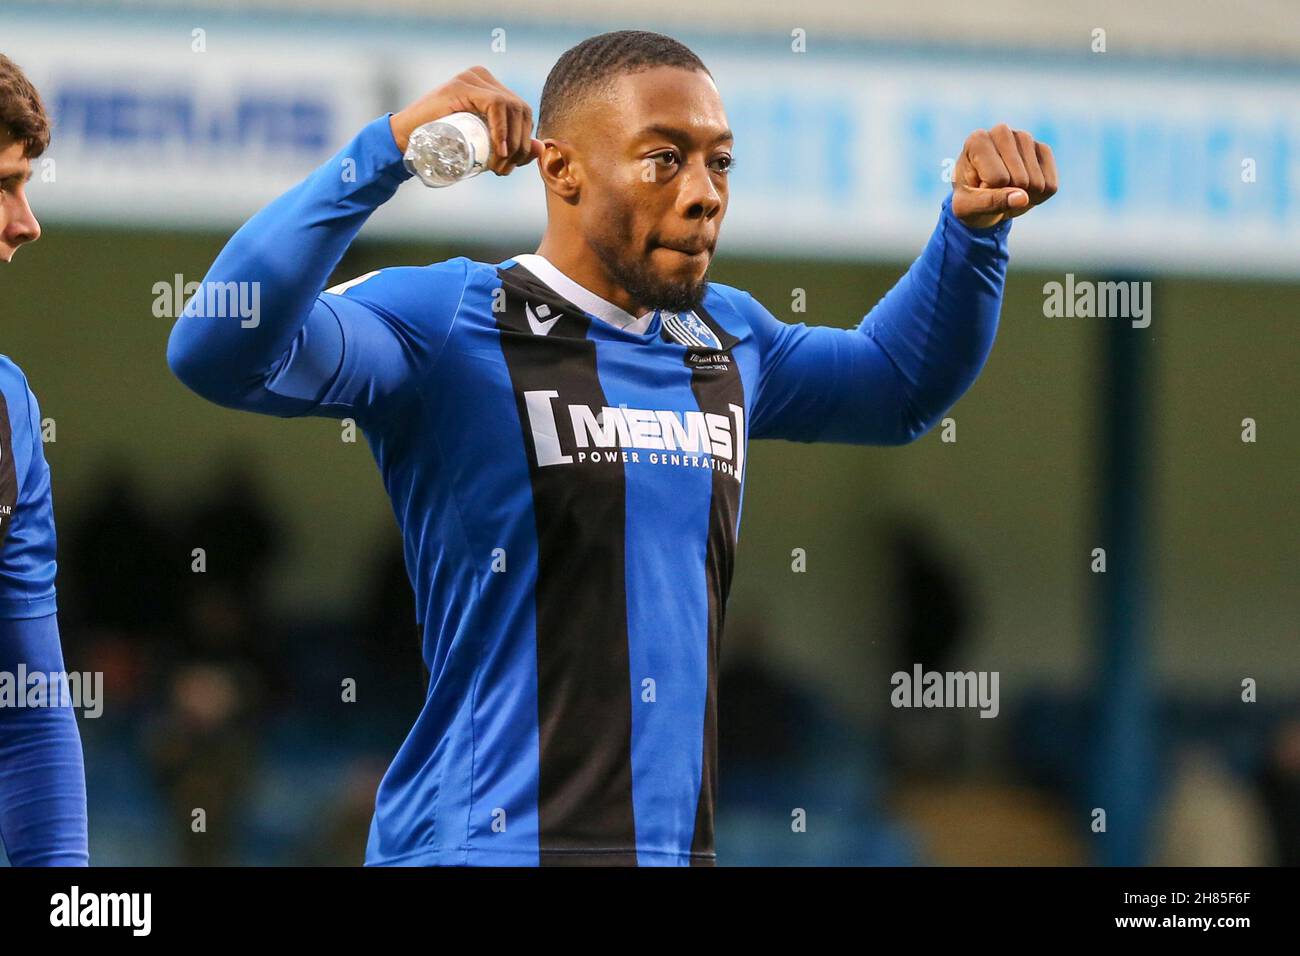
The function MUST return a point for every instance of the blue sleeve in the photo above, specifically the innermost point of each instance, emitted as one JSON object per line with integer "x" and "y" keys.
{"x": 27, "y": 539}
{"x": 42, "y": 780}
{"x": 890, "y": 379}
{"x": 262, "y": 335}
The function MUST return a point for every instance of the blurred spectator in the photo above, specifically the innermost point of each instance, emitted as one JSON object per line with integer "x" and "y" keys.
{"x": 797, "y": 784}
{"x": 1279, "y": 785}
{"x": 933, "y": 613}
{"x": 118, "y": 560}
{"x": 236, "y": 529}
{"x": 1211, "y": 817}
{"x": 203, "y": 756}
{"x": 931, "y": 626}
{"x": 346, "y": 827}
{"x": 764, "y": 718}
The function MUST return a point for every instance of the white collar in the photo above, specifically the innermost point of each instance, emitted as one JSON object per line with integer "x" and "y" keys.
{"x": 584, "y": 298}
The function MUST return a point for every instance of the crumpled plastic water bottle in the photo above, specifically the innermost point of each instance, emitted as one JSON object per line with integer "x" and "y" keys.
{"x": 449, "y": 150}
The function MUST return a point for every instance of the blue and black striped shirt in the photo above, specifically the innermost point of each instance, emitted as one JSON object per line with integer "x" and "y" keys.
{"x": 569, "y": 490}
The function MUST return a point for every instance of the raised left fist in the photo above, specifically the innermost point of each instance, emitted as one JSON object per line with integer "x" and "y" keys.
{"x": 1002, "y": 173}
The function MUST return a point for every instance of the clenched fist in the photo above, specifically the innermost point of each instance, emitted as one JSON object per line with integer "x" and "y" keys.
{"x": 1002, "y": 173}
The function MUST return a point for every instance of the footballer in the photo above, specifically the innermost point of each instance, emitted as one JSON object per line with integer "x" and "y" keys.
{"x": 563, "y": 436}
{"x": 42, "y": 777}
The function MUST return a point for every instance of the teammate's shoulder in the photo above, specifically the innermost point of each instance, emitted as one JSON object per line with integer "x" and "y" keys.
{"x": 13, "y": 382}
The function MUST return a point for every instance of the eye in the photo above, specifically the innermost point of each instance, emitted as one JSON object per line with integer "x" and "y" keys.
{"x": 723, "y": 164}
{"x": 665, "y": 157}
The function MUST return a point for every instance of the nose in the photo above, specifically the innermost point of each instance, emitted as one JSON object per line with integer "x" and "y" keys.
{"x": 698, "y": 197}
{"x": 22, "y": 226}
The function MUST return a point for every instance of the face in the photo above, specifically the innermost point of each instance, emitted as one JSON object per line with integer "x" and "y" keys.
{"x": 655, "y": 157}
{"x": 17, "y": 224}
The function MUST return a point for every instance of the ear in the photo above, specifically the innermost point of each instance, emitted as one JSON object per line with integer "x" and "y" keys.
{"x": 559, "y": 168}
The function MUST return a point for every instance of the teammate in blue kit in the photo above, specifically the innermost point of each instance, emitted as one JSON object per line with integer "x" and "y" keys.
{"x": 42, "y": 780}
{"x": 563, "y": 436}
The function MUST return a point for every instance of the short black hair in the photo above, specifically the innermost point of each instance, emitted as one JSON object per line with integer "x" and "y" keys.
{"x": 596, "y": 61}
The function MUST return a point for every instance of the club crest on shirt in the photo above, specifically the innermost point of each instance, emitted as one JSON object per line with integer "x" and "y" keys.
{"x": 687, "y": 328}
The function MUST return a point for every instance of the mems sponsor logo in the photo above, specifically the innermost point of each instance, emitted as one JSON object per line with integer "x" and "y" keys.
{"x": 566, "y": 434}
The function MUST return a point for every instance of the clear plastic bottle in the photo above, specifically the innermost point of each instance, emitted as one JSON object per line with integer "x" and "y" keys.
{"x": 449, "y": 150}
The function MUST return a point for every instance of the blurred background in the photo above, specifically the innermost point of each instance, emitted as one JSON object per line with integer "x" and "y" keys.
{"x": 1163, "y": 691}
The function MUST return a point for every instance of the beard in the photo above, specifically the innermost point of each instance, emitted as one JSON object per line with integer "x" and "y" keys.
{"x": 643, "y": 285}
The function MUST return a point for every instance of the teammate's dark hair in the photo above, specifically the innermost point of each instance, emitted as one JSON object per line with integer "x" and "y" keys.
{"x": 596, "y": 61}
{"x": 22, "y": 114}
